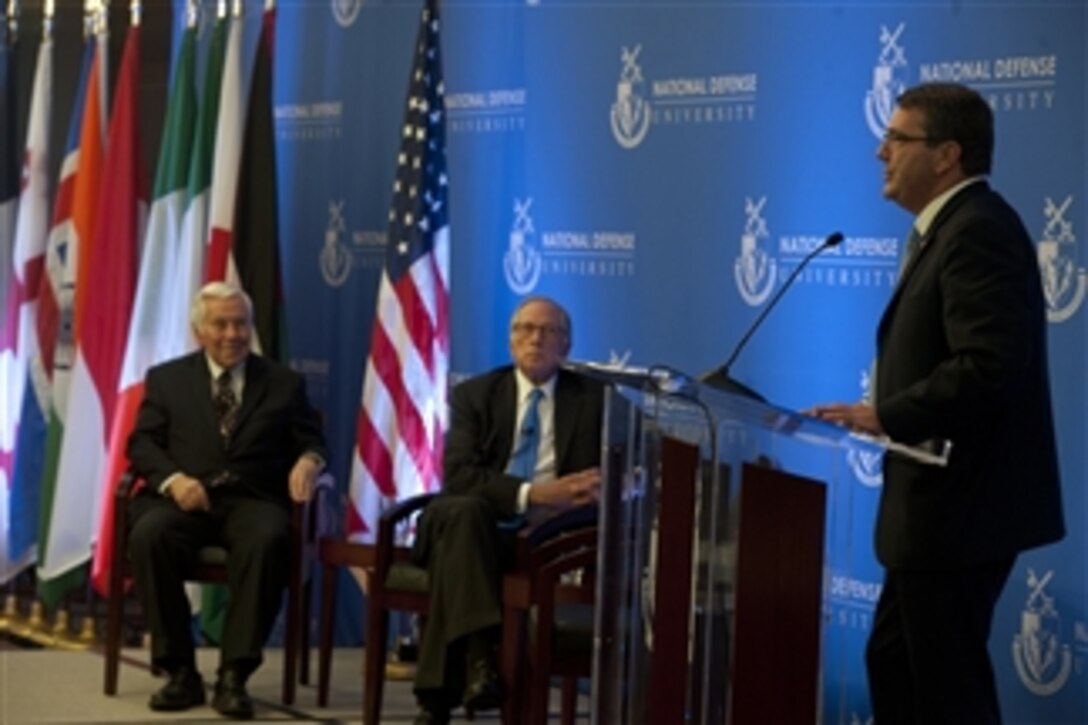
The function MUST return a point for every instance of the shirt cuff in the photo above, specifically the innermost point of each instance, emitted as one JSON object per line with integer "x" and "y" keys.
{"x": 523, "y": 498}
{"x": 165, "y": 485}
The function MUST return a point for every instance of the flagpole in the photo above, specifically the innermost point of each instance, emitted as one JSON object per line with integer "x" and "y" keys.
{"x": 9, "y": 31}
{"x": 88, "y": 18}
{"x": 12, "y": 17}
{"x": 192, "y": 13}
{"x": 135, "y": 11}
{"x": 237, "y": 8}
{"x": 102, "y": 36}
{"x": 47, "y": 19}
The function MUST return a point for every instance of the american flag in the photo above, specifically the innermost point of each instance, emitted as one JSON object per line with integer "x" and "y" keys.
{"x": 402, "y": 418}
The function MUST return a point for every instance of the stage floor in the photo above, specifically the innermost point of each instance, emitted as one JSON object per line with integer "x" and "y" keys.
{"x": 53, "y": 686}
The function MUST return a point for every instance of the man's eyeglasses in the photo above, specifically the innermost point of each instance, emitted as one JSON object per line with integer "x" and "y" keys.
{"x": 528, "y": 329}
{"x": 893, "y": 136}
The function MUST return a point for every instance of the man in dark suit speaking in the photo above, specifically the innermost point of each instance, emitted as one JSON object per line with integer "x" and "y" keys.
{"x": 961, "y": 356}
{"x": 225, "y": 440}
{"x": 523, "y": 441}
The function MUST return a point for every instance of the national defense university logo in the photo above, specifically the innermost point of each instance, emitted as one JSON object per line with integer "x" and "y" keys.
{"x": 754, "y": 270}
{"x": 866, "y": 461}
{"x": 522, "y": 263}
{"x": 888, "y": 81}
{"x": 335, "y": 257}
{"x": 1063, "y": 282}
{"x": 631, "y": 111}
{"x": 1043, "y": 662}
{"x": 346, "y": 11}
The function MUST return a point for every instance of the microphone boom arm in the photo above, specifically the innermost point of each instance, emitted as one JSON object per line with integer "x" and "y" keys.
{"x": 722, "y": 372}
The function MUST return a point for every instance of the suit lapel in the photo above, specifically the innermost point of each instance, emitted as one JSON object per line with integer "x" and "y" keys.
{"x": 924, "y": 245}
{"x": 200, "y": 387}
{"x": 504, "y": 411}
{"x": 253, "y": 391}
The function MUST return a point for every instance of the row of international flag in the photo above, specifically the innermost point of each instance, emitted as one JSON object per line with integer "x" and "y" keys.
{"x": 94, "y": 296}
{"x": 97, "y": 286}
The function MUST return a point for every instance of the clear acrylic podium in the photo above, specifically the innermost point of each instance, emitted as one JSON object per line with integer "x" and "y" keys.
{"x": 721, "y": 517}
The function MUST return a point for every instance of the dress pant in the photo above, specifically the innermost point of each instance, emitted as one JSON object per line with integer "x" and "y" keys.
{"x": 162, "y": 547}
{"x": 927, "y": 655}
{"x": 465, "y": 553}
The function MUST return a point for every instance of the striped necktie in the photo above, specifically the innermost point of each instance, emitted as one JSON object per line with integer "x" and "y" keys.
{"x": 226, "y": 405}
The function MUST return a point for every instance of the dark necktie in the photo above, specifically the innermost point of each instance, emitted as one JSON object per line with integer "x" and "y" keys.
{"x": 226, "y": 405}
{"x": 523, "y": 459}
{"x": 914, "y": 241}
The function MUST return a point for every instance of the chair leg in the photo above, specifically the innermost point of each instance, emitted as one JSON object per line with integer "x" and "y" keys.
{"x": 294, "y": 621}
{"x": 328, "y": 620}
{"x": 568, "y": 709}
{"x": 539, "y": 685}
{"x": 512, "y": 637}
{"x": 377, "y": 633}
{"x": 290, "y": 648}
{"x": 304, "y": 632}
{"x": 114, "y": 611}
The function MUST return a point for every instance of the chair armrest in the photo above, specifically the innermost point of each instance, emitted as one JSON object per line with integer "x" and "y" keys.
{"x": 126, "y": 488}
{"x": 532, "y": 537}
{"x": 386, "y": 549}
{"x": 126, "y": 485}
{"x": 562, "y": 545}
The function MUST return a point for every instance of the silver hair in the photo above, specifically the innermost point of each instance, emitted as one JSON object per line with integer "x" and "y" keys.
{"x": 563, "y": 315}
{"x": 217, "y": 291}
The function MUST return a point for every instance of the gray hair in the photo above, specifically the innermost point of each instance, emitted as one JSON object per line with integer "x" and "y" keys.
{"x": 217, "y": 291}
{"x": 568, "y": 329}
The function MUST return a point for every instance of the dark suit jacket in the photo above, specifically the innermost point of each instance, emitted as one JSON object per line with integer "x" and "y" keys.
{"x": 176, "y": 428}
{"x": 962, "y": 356}
{"x": 481, "y": 434}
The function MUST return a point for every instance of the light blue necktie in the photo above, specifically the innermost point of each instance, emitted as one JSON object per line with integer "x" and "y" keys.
{"x": 523, "y": 459}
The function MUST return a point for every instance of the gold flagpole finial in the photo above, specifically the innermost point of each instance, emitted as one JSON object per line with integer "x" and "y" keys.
{"x": 88, "y": 18}
{"x": 135, "y": 11}
{"x": 237, "y": 8}
{"x": 48, "y": 11}
{"x": 101, "y": 16}
{"x": 192, "y": 13}
{"x": 11, "y": 15}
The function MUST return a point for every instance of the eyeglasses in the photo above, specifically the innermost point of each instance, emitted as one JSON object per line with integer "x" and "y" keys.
{"x": 528, "y": 329}
{"x": 893, "y": 136}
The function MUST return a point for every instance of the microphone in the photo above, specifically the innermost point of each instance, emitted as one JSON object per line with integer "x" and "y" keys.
{"x": 719, "y": 376}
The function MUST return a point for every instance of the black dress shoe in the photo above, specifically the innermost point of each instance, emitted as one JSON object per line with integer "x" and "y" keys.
{"x": 482, "y": 691}
{"x": 183, "y": 690}
{"x": 432, "y": 716}
{"x": 231, "y": 698}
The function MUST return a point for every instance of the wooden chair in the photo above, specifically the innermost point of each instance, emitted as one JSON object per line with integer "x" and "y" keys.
{"x": 212, "y": 569}
{"x": 393, "y": 583}
{"x": 561, "y": 623}
{"x": 557, "y": 614}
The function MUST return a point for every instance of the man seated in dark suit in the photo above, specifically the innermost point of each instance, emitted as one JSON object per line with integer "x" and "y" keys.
{"x": 523, "y": 443}
{"x": 225, "y": 440}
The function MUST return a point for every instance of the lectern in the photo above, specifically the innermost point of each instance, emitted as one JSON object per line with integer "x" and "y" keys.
{"x": 718, "y": 529}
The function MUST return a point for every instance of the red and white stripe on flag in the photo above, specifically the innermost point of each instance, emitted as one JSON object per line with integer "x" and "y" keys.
{"x": 402, "y": 417}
